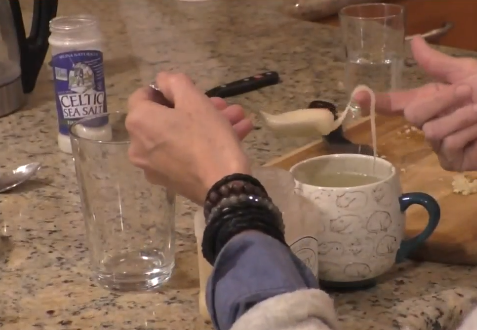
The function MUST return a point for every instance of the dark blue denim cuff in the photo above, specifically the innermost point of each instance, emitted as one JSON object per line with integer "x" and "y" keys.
{"x": 251, "y": 268}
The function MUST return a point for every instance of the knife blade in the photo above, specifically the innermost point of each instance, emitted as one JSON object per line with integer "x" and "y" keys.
{"x": 245, "y": 85}
{"x": 336, "y": 141}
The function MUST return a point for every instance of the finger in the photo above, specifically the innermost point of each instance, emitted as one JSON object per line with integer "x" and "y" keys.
{"x": 145, "y": 117}
{"x": 148, "y": 115}
{"x": 144, "y": 100}
{"x": 394, "y": 103}
{"x": 219, "y": 103}
{"x": 453, "y": 148}
{"x": 391, "y": 103}
{"x": 439, "y": 65}
{"x": 153, "y": 177}
{"x": 439, "y": 128}
{"x": 134, "y": 155}
{"x": 234, "y": 113}
{"x": 181, "y": 91}
{"x": 243, "y": 128}
{"x": 140, "y": 95}
{"x": 424, "y": 109}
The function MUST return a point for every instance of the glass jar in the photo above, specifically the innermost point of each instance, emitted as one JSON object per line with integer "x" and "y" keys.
{"x": 300, "y": 216}
{"x": 129, "y": 221}
{"x": 77, "y": 65}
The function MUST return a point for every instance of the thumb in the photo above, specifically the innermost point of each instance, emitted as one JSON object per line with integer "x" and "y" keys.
{"x": 439, "y": 65}
{"x": 394, "y": 103}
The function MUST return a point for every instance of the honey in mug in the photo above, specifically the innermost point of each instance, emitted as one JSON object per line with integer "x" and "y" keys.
{"x": 339, "y": 179}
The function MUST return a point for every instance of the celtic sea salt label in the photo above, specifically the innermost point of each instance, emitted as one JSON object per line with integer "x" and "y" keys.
{"x": 79, "y": 86}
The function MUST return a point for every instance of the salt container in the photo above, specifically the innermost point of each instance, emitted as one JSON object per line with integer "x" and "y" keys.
{"x": 78, "y": 74}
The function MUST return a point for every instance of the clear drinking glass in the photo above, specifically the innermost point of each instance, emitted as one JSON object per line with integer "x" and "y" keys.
{"x": 279, "y": 183}
{"x": 129, "y": 222}
{"x": 300, "y": 216}
{"x": 373, "y": 36}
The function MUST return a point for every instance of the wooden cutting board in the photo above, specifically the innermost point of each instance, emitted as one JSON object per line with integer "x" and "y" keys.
{"x": 455, "y": 239}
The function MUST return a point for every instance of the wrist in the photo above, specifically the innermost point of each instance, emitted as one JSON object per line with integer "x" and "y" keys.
{"x": 236, "y": 203}
{"x": 215, "y": 174}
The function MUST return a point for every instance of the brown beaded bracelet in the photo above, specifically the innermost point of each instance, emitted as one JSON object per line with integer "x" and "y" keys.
{"x": 231, "y": 201}
{"x": 233, "y": 185}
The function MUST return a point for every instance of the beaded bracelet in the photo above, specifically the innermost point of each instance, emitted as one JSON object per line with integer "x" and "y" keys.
{"x": 234, "y": 219}
{"x": 232, "y": 185}
{"x": 227, "y": 202}
{"x": 236, "y": 203}
{"x": 263, "y": 223}
{"x": 246, "y": 207}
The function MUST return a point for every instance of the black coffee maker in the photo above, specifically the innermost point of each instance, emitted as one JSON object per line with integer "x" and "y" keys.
{"x": 22, "y": 55}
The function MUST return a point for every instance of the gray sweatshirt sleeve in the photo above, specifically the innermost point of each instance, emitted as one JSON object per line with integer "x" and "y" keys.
{"x": 259, "y": 282}
{"x": 309, "y": 309}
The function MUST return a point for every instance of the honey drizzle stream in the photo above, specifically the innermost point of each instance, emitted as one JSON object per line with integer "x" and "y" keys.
{"x": 372, "y": 113}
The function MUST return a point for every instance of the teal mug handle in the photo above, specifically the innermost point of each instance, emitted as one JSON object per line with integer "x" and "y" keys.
{"x": 434, "y": 211}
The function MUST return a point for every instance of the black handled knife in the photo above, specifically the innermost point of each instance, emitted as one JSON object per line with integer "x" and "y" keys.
{"x": 336, "y": 141}
{"x": 245, "y": 85}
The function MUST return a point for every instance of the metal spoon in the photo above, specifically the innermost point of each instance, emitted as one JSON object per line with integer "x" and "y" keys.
{"x": 159, "y": 96}
{"x": 19, "y": 175}
{"x": 153, "y": 86}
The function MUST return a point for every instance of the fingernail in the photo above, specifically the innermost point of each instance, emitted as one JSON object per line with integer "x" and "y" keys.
{"x": 463, "y": 91}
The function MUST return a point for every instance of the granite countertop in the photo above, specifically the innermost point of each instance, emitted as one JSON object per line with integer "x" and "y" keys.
{"x": 44, "y": 276}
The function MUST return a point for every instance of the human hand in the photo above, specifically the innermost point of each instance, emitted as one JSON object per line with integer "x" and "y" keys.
{"x": 235, "y": 115}
{"x": 190, "y": 147}
{"x": 445, "y": 110}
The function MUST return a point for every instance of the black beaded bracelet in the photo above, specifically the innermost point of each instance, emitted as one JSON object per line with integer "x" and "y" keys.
{"x": 210, "y": 248}
{"x": 249, "y": 208}
{"x": 242, "y": 216}
{"x": 235, "y": 177}
{"x": 242, "y": 198}
{"x": 238, "y": 225}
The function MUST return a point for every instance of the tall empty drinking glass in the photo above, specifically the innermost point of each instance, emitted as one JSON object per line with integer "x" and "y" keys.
{"x": 129, "y": 222}
{"x": 373, "y": 36}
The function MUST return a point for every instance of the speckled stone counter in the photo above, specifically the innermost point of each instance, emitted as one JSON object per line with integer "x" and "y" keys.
{"x": 44, "y": 276}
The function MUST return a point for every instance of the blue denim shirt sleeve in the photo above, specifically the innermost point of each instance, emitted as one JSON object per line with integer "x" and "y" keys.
{"x": 251, "y": 268}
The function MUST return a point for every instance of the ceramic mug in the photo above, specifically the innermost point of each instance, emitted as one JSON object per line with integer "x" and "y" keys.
{"x": 364, "y": 226}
